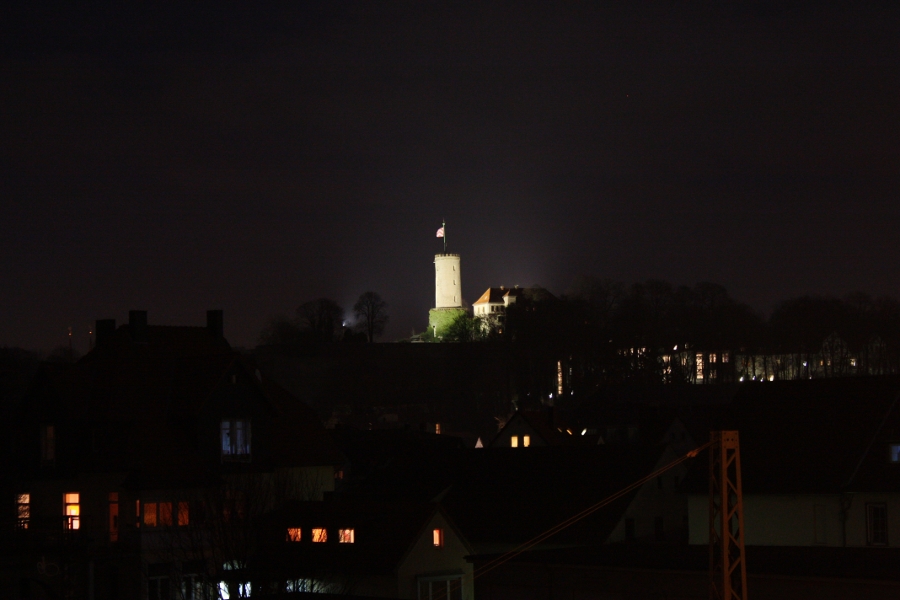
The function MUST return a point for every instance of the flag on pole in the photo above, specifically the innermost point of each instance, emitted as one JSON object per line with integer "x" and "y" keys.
{"x": 440, "y": 232}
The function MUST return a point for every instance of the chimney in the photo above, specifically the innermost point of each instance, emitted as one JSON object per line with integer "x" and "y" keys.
{"x": 104, "y": 329}
{"x": 137, "y": 326}
{"x": 215, "y": 323}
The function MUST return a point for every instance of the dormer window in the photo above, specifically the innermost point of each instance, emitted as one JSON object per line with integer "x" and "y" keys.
{"x": 235, "y": 439}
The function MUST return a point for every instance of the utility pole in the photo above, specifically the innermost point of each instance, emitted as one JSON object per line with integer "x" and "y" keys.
{"x": 727, "y": 569}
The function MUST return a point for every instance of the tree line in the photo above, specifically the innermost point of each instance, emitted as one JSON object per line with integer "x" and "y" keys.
{"x": 656, "y": 331}
{"x": 323, "y": 320}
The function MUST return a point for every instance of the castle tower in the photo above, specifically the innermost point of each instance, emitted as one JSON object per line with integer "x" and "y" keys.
{"x": 447, "y": 282}
{"x": 447, "y": 293}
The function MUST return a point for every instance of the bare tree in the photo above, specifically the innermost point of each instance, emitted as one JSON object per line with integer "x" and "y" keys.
{"x": 371, "y": 311}
{"x": 323, "y": 318}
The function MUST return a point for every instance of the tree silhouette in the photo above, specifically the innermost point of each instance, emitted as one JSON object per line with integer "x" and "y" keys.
{"x": 323, "y": 318}
{"x": 371, "y": 311}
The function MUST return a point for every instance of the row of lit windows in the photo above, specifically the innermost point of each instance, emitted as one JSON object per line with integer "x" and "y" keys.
{"x": 155, "y": 514}
{"x": 319, "y": 535}
{"x": 514, "y": 441}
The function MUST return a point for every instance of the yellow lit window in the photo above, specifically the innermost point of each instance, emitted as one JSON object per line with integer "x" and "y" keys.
{"x": 346, "y": 536}
{"x": 437, "y": 428}
{"x": 526, "y": 441}
{"x": 184, "y": 516}
{"x": 23, "y": 502}
{"x": 438, "y": 538}
{"x": 293, "y": 534}
{"x": 150, "y": 514}
{"x": 319, "y": 535}
{"x": 72, "y": 511}
{"x": 514, "y": 441}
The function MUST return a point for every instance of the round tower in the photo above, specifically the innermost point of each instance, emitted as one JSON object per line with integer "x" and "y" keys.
{"x": 447, "y": 283}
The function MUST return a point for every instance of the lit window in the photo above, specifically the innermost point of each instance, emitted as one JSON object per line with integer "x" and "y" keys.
{"x": 165, "y": 514}
{"x": 113, "y": 516}
{"x": 514, "y": 441}
{"x": 184, "y": 514}
{"x": 895, "y": 453}
{"x": 346, "y": 536}
{"x": 445, "y": 587}
{"x": 293, "y": 534}
{"x": 72, "y": 511}
{"x": 150, "y": 514}
{"x": 437, "y": 428}
{"x": 319, "y": 535}
{"x": 725, "y": 357}
{"x": 876, "y": 524}
{"x": 699, "y": 358}
{"x": 48, "y": 443}
{"x": 236, "y": 439}
{"x": 23, "y": 502}
{"x": 712, "y": 358}
{"x": 526, "y": 441}
{"x": 438, "y": 538}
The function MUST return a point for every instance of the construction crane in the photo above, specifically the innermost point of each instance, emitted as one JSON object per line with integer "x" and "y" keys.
{"x": 727, "y": 569}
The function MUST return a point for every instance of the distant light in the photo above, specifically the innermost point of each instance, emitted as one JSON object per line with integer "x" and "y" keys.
{"x": 551, "y": 395}
{"x": 771, "y": 378}
{"x": 741, "y": 379}
{"x": 676, "y": 347}
{"x": 583, "y": 431}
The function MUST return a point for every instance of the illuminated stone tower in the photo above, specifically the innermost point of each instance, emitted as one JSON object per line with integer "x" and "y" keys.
{"x": 447, "y": 293}
{"x": 447, "y": 282}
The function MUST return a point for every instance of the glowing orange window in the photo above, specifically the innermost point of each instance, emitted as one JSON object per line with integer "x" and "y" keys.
{"x": 319, "y": 535}
{"x": 23, "y": 510}
{"x": 150, "y": 514}
{"x": 346, "y": 536}
{"x": 293, "y": 534}
{"x": 72, "y": 510}
{"x": 184, "y": 515}
{"x": 438, "y": 537}
{"x": 165, "y": 513}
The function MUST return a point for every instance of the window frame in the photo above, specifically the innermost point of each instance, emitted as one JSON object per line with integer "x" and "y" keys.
{"x": 72, "y": 510}
{"x": 235, "y": 447}
{"x": 23, "y": 510}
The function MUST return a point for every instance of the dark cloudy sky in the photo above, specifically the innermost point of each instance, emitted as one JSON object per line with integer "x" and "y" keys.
{"x": 184, "y": 156}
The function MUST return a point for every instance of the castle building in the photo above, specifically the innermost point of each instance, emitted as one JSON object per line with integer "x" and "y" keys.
{"x": 448, "y": 303}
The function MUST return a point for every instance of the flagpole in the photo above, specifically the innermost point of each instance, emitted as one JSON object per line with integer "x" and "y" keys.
{"x": 444, "y": 227}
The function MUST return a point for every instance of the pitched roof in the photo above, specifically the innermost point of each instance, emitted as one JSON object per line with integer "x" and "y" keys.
{"x": 541, "y": 423}
{"x": 496, "y": 295}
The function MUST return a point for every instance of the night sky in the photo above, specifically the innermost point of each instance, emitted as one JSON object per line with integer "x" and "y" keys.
{"x": 181, "y": 157}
